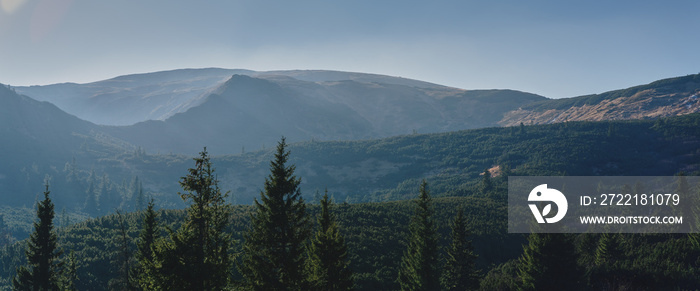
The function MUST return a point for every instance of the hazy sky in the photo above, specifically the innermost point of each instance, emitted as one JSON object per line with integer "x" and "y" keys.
{"x": 553, "y": 48}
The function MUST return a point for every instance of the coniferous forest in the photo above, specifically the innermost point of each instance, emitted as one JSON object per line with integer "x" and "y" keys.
{"x": 445, "y": 231}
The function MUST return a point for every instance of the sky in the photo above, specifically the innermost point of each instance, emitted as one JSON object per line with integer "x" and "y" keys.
{"x": 552, "y": 48}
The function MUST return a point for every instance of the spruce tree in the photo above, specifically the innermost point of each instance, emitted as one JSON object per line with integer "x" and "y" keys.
{"x": 91, "y": 205}
{"x": 197, "y": 256}
{"x": 460, "y": 267}
{"x": 145, "y": 245}
{"x": 5, "y": 236}
{"x": 486, "y": 183}
{"x": 43, "y": 269}
{"x": 123, "y": 258}
{"x": 608, "y": 250}
{"x": 328, "y": 256}
{"x": 419, "y": 264}
{"x": 274, "y": 255}
{"x": 548, "y": 263}
{"x": 70, "y": 276}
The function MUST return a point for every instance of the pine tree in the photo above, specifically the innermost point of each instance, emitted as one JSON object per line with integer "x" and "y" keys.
{"x": 274, "y": 250}
{"x": 419, "y": 264}
{"x": 548, "y": 263}
{"x": 328, "y": 256}
{"x": 460, "y": 269}
{"x": 43, "y": 270}
{"x": 197, "y": 255}
{"x": 149, "y": 235}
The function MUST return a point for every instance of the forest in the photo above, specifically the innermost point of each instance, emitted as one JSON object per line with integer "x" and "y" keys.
{"x": 382, "y": 222}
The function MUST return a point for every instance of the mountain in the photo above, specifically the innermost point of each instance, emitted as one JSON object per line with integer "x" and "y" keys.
{"x": 38, "y": 139}
{"x": 325, "y": 112}
{"x": 392, "y": 169}
{"x": 663, "y": 98}
{"x": 130, "y": 99}
{"x": 251, "y": 112}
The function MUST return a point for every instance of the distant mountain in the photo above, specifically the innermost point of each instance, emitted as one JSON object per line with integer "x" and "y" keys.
{"x": 251, "y": 112}
{"x": 663, "y": 98}
{"x": 38, "y": 138}
{"x": 130, "y": 99}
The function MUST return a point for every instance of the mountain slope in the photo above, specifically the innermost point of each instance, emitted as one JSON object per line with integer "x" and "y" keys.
{"x": 136, "y": 98}
{"x": 668, "y": 97}
{"x": 37, "y": 138}
{"x": 250, "y": 112}
{"x": 129, "y": 99}
{"x": 392, "y": 168}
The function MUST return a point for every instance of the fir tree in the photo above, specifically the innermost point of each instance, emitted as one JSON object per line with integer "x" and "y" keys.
{"x": 419, "y": 264}
{"x": 460, "y": 271}
{"x": 197, "y": 255}
{"x": 273, "y": 252}
{"x": 145, "y": 245}
{"x": 328, "y": 253}
{"x": 548, "y": 263}
{"x": 43, "y": 270}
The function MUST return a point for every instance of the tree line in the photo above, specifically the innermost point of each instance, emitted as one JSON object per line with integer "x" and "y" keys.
{"x": 281, "y": 249}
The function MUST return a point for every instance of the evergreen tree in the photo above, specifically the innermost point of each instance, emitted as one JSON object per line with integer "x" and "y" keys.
{"x": 197, "y": 255}
{"x": 608, "y": 271}
{"x": 43, "y": 270}
{"x": 145, "y": 245}
{"x": 419, "y": 264}
{"x": 70, "y": 277}
{"x": 486, "y": 183}
{"x": 460, "y": 271}
{"x": 123, "y": 261}
{"x": 91, "y": 205}
{"x": 273, "y": 252}
{"x": 328, "y": 260}
{"x": 5, "y": 236}
{"x": 136, "y": 192}
{"x": 608, "y": 250}
{"x": 548, "y": 263}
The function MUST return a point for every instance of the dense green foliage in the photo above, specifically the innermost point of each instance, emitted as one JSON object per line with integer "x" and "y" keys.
{"x": 452, "y": 164}
{"x": 328, "y": 253}
{"x": 44, "y": 269}
{"x": 274, "y": 255}
{"x": 548, "y": 263}
{"x": 459, "y": 272}
{"x": 419, "y": 264}
{"x": 146, "y": 270}
{"x": 196, "y": 256}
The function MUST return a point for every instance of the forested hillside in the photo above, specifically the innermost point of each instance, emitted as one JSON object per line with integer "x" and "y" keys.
{"x": 453, "y": 164}
{"x": 383, "y": 169}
